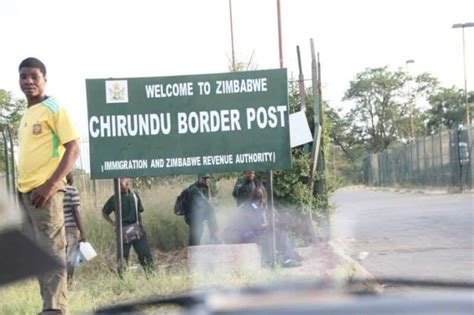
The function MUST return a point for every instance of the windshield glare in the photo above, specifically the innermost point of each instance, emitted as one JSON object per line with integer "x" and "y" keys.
{"x": 234, "y": 148}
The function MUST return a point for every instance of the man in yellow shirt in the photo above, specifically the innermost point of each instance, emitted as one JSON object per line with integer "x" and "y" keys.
{"x": 48, "y": 150}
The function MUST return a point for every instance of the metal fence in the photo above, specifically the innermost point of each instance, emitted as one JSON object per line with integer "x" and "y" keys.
{"x": 429, "y": 161}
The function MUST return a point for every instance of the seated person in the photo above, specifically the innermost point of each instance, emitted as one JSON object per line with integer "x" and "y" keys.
{"x": 249, "y": 225}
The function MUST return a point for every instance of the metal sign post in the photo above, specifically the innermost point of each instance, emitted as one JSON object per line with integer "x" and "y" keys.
{"x": 272, "y": 216}
{"x": 94, "y": 191}
{"x": 269, "y": 173}
{"x": 118, "y": 227}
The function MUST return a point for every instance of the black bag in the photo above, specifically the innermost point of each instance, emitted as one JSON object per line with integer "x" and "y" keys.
{"x": 134, "y": 231}
{"x": 182, "y": 203}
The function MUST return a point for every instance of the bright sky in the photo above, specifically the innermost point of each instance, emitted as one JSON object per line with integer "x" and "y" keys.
{"x": 99, "y": 39}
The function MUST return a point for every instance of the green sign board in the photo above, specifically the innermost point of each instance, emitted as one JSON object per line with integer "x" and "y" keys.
{"x": 188, "y": 124}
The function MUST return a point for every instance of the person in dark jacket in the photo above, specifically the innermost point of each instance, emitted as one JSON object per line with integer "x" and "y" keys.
{"x": 131, "y": 207}
{"x": 244, "y": 187}
{"x": 199, "y": 210}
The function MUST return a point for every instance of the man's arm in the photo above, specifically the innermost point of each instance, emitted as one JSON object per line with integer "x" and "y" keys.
{"x": 42, "y": 194}
{"x": 77, "y": 218}
{"x": 108, "y": 219}
{"x": 107, "y": 210}
{"x": 140, "y": 208}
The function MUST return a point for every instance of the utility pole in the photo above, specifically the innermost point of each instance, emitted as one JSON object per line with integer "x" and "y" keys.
{"x": 232, "y": 35}
{"x": 280, "y": 46}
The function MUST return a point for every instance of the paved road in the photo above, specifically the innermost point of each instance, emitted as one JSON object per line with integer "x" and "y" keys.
{"x": 406, "y": 234}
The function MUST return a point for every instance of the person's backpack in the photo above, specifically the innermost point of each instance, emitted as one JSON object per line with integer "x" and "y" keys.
{"x": 182, "y": 203}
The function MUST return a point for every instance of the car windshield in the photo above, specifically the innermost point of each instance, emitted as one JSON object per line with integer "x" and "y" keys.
{"x": 213, "y": 146}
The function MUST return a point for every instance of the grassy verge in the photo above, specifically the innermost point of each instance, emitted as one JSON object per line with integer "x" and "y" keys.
{"x": 96, "y": 283}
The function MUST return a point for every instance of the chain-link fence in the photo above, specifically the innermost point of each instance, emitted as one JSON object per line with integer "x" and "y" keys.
{"x": 437, "y": 160}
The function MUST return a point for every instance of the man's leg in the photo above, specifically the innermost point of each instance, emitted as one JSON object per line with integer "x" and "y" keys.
{"x": 283, "y": 244}
{"x": 143, "y": 252}
{"x": 72, "y": 238}
{"x": 27, "y": 225}
{"x": 195, "y": 230}
{"x": 48, "y": 225}
{"x": 126, "y": 252}
{"x": 264, "y": 243}
{"x": 212, "y": 226}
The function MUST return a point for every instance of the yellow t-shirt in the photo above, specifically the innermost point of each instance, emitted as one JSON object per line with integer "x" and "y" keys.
{"x": 43, "y": 130}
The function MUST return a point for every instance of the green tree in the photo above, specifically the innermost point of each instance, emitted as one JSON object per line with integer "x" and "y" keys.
{"x": 348, "y": 137}
{"x": 383, "y": 103}
{"x": 11, "y": 111}
{"x": 292, "y": 192}
{"x": 447, "y": 109}
{"x": 343, "y": 133}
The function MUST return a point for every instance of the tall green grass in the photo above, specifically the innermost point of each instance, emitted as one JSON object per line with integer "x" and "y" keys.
{"x": 94, "y": 289}
{"x": 165, "y": 230}
{"x": 96, "y": 283}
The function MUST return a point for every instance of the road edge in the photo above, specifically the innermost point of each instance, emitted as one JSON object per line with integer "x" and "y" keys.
{"x": 360, "y": 273}
{"x": 414, "y": 190}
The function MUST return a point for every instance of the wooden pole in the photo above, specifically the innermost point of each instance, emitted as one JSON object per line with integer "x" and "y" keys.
{"x": 301, "y": 81}
{"x": 316, "y": 118}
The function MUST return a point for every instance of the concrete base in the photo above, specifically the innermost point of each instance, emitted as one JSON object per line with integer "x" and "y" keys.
{"x": 231, "y": 258}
